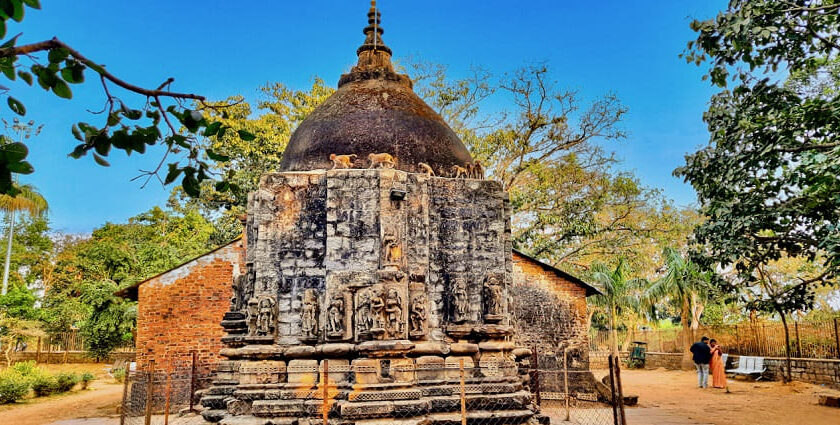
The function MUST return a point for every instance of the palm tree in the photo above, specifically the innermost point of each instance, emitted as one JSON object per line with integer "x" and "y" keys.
{"x": 619, "y": 294}
{"x": 686, "y": 286}
{"x": 26, "y": 199}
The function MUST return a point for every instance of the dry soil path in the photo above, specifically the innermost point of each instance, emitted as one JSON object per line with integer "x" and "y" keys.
{"x": 101, "y": 400}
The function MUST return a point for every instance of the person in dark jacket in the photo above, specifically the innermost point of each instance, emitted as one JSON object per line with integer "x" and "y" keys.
{"x": 701, "y": 354}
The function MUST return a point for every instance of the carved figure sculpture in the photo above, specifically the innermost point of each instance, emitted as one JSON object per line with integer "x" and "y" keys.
{"x": 461, "y": 301}
{"x": 417, "y": 315}
{"x": 393, "y": 311}
{"x": 377, "y": 309}
{"x": 459, "y": 172}
{"x": 266, "y": 316}
{"x": 309, "y": 314}
{"x": 426, "y": 169}
{"x": 335, "y": 317}
{"x": 342, "y": 161}
{"x": 393, "y": 251}
{"x": 364, "y": 316}
{"x": 253, "y": 311}
{"x": 381, "y": 160}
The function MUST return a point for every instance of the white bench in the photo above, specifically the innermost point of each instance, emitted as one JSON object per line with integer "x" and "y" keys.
{"x": 748, "y": 365}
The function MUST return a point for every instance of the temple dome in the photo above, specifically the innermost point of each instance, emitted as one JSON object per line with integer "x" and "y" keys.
{"x": 374, "y": 110}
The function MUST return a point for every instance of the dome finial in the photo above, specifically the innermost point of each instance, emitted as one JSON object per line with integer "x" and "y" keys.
{"x": 374, "y": 53}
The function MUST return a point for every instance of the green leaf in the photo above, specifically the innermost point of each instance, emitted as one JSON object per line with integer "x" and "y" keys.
{"x": 217, "y": 157}
{"x": 77, "y": 133}
{"x": 25, "y": 76}
{"x": 7, "y": 7}
{"x": 16, "y": 106}
{"x": 190, "y": 185}
{"x": 173, "y": 173}
{"x": 212, "y": 128}
{"x": 246, "y": 136}
{"x": 35, "y": 4}
{"x": 73, "y": 74}
{"x": 58, "y": 54}
{"x": 17, "y": 15}
{"x": 100, "y": 160}
{"x": 14, "y": 152}
{"x": 61, "y": 89}
{"x": 21, "y": 167}
{"x": 10, "y": 42}
{"x": 79, "y": 151}
{"x": 2, "y": 28}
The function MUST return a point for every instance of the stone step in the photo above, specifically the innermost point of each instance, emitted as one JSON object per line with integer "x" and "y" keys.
{"x": 508, "y": 417}
{"x": 214, "y": 401}
{"x": 214, "y": 415}
{"x": 221, "y": 390}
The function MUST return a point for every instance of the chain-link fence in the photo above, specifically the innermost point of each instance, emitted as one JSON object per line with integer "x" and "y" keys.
{"x": 160, "y": 396}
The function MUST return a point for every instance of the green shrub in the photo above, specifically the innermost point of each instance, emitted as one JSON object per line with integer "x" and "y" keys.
{"x": 66, "y": 381}
{"x": 86, "y": 379}
{"x": 27, "y": 369}
{"x": 119, "y": 374}
{"x": 44, "y": 384}
{"x": 13, "y": 386}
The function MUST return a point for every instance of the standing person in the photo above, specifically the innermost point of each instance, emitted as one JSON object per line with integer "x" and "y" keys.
{"x": 702, "y": 353}
{"x": 716, "y": 366}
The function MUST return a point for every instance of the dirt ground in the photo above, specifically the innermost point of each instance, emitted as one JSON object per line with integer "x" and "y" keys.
{"x": 747, "y": 403}
{"x": 100, "y": 400}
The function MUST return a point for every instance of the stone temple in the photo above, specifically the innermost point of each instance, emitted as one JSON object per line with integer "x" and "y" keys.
{"x": 392, "y": 276}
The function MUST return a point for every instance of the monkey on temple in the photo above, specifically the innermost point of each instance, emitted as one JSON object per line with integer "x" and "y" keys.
{"x": 476, "y": 170}
{"x": 426, "y": 169}
{"x": 342, "y": 161}
{"x": 382, "y": 160}
{"x": 459, "y": 171}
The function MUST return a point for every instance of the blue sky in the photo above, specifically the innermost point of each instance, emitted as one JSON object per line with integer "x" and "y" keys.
{"x": 220, "y": 48}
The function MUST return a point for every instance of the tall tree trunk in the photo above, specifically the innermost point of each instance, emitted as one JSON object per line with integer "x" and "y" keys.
{"x": 614, "y": 331}
{"x": 787, "y": 345}
{"x": 11, "y": 231}
{"x": 687, "y": 332}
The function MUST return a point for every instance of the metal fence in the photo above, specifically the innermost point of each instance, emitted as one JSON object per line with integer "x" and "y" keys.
{"x": 470, "y": 394}
{"x": 812, "y": 339}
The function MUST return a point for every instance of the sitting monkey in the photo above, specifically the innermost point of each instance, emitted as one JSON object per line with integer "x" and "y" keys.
{"x": 476, "y": 170}
{"x": 427, "y": 169}
{"x": 342, "y": 161}
{"x": 383, "y": 160}
{"x": 460, "y": 172}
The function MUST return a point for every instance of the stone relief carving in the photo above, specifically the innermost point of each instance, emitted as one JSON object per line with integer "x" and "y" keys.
{"x": 262, "y": 316}
{"x": 460, "y": 301}
{"x": 394, "y": 312}
{"x": 309, "y": 315}
{"x": 335, "y": 317}
{"x": 417, "y": 316}
{"x": 377, "y": 309}
{"x": 494, "y": 299}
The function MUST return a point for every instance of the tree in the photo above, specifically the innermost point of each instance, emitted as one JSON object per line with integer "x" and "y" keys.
{"x": 768, "y": 179}
{"x": 163, "y": 117}
{"x": 26, "y": 198}
{"x": 688, "y": 286}
{"x": 620, "y": 294}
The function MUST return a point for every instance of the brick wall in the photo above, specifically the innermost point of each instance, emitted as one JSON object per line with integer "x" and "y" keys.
{"x": 180, "y": 311}
{"x": 569, "y": 326}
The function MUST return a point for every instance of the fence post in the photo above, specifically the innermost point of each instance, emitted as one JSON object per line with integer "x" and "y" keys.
{"x": 463, "y": 394}
{"x": 620, "y": 392}
{"x": 127, "y": 376}
{"x": 837, "y": 336}
{"x": 192, "y": 379}
{"x": 612, "y": 389}
{"x": 150, "y": 391}
{"x": 168, "y": 393}
{"x": 798, "y": 341}
{"x": 566, "y": 379}
{"x": 38, "y": 352}
{"x": 536, "y": 376}
{"x": 325, "y": 409}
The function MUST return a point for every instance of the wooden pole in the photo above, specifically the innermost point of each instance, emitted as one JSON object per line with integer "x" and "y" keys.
{"x": 325, "y": 409}
{"x": 126, "y": 377}
{"x": 566, "y": 379}
{"x": 192, "y": 379}
{"x": 38, "y": 352}
{"x": 463, "y": 394}
{"x": 620, "y": 392}
{"x": 168, "y": 393}
{"x": 798, "y": 340}
{"x": 612, "y": 390}
{"x": 150, "y": 391}
{"x": 837, "y": 336}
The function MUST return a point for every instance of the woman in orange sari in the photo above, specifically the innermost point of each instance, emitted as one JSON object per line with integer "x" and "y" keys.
{"x": 716, "y": 366}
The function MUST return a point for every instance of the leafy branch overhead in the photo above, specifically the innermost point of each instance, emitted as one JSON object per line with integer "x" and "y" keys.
{"x": 173, "y": 119}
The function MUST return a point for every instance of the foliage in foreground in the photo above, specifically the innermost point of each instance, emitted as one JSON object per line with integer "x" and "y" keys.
{"x": 17, "y": 380}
